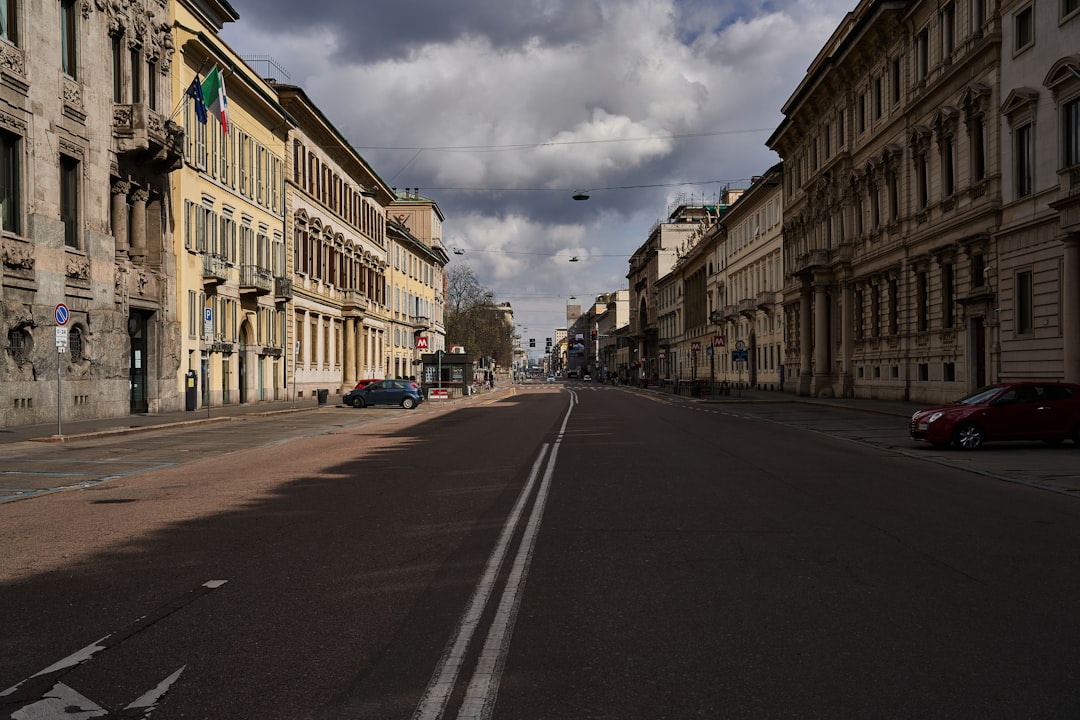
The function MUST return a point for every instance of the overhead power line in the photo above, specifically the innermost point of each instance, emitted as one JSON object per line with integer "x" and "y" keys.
{"x": 529, "y": 146}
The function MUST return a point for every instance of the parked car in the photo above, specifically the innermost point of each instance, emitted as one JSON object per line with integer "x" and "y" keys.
{"x": 551, "y": 378}
{"x": 586, "y": 377}
{"x": 1045, "y": 411}
{"x": 405, "y": 393}
{"x": 361, "y": 384}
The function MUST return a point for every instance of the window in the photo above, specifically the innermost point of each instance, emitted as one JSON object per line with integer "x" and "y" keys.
{"x": 151, "y": 85}
{"x": 68, "y": 32}
{"x": 947, "y": 312}
{"x": 1068, "y": 7}
{"x": 922, "y": 55}
{"x": 1024, "y": 303}
{"x": 136, "y": 76}
{"x": 894, "y": 306}
{"x": 978, "y": 271}
{"x": 896, "y": 81}
{"x": 862, "y": 113}
{"x": 20, "y": 345}
{"x": 1070, "y": 128}
{"x": 948, "y": 31}
{"x": 948, "y": 172}
{"x": 978, "y": 150}
{"x": 1022, "y": 159}
{"x": 8, "y": 21}
{"x": 922, "y": 304}
{"x": 10, "y": 215}
{"x": 978, "y": 15}
{"x": 877, "y": 98}
{"x": 69, "y": 200}
{"x": 921, "y": 182}
{"x": 117, "y": 69}
{"x": 1023, "y": 28}
{"x": 75, "y": 344}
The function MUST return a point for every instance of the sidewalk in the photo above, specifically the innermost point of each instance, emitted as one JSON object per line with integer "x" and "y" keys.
{"x": 135, "y": 423}
{"x": 71, "y": 429}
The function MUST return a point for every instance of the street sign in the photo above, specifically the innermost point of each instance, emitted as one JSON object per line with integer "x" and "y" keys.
{"x": 695, "y": 346}
{"x": 208, "y": 321}
{"x": 61, "y": 314}
{"x": 61, "y": 339}
{"x": 421, "y": 343}
{"x": 739, "y": 355}
{"x": 718, "y": 341}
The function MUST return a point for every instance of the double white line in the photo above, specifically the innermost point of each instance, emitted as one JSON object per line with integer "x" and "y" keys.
{"x": 479, "y": 701}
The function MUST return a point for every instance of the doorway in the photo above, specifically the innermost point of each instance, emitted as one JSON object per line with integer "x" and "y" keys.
{"x": 137, "y": 330}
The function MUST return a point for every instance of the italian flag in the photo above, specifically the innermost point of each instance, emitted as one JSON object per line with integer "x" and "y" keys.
{"x": 213, "y": 89}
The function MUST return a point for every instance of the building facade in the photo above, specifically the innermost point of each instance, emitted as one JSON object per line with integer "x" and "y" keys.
{"x": 87, "y": 146}
{"x": 232, "y": 272}
{"x": 746, "y": 296}
{"x": 1037, "y": 269}
{"x": 416, "y": 282}
{"x": 336, "y": 218}
{"x": 893, "y": 190}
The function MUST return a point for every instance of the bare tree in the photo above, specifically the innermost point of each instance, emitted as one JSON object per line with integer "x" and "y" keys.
{"x": 473, "y": 320}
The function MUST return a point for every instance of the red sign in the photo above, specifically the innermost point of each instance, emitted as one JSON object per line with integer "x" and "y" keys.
{"x": 421, "y": 343}
{"x": 718, "y": 341}
{"x": 695, "y": 346}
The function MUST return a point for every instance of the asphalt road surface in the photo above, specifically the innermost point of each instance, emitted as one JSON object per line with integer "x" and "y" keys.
{"x": 567, "y": 551}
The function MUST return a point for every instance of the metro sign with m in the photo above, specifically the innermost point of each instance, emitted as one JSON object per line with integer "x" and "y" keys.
{"x": 421, "y": 343}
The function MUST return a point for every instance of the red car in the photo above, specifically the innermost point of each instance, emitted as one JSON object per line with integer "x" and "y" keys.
{"x": 1047, "y": 411}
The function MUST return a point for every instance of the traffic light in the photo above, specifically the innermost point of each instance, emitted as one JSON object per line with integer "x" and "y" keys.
{"x": 594, "y": 335}
{"x": 532, "y": 342}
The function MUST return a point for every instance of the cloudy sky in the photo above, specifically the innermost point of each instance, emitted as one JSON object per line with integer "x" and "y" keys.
{"x": 501, "y": 109}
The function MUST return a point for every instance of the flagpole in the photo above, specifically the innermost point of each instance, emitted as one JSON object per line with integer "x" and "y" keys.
{"x": 180, "y": 104}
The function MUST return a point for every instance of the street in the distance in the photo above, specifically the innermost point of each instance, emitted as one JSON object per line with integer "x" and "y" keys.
{"x": 563, "y": 551}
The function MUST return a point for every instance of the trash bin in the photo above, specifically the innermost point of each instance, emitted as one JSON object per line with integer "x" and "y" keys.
{"x": 191, "y": 391}
{"x": 323, "y": 394}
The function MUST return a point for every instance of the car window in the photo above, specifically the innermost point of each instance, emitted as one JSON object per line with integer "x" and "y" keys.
{"x": 981, "y": 396}
{"x": 381, "y": 385}
{"x": 1056, "y": 392}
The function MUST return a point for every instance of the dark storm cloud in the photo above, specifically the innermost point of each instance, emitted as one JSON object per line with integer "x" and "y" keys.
{"x": 376, "y": 30}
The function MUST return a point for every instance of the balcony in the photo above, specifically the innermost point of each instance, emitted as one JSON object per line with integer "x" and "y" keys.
{"x": 282, "y": 289}
{"x": 812, "y": 260}
{"x": 747, "y": 308}
{"x": 421, "y": 322}
{"x": 137, "y": 129}
{"x": 257, "y": 280}
{"x": 354, "y": 301}
{"x": 215, "y": 270}
{"x": 766, "y": 300}
{"x": 731, "y": 312}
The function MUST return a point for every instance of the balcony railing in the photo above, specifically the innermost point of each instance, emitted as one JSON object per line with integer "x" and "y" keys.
{"x": 282, "y": 289}
{"x": 766, "y": 300}
{"x": 215, "y": 269}
{"x": 747, "y": 307}
{"x": 254, "y": 279}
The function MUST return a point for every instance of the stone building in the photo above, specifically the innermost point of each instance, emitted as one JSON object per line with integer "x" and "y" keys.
{"x": 1036, "y": 270}
{"x": 232, "y": 272}
{"x": 653, "y": 260}
{"x": 893, "y": 193}
{"x": 87, "y": 146}
{"x": 749, "y": 277}
{"x": 336, "y": 220}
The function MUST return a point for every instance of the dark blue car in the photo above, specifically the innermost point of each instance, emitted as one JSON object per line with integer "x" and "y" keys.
{"x": 405, "y": 393}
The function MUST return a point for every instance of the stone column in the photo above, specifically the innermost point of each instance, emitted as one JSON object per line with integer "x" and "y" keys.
{"x": 847, "y": 379}
{"x": 806, "y": 342}
{"x": 821, "y": 336}
{"x": 349, "y": 335}
{"x": 137, "y": 229}
{"x": 119, "y": 216}
{"x": 1070, "y": 320}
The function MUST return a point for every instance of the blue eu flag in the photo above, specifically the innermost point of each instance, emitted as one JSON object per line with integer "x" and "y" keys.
{"x": 194, "y": 92}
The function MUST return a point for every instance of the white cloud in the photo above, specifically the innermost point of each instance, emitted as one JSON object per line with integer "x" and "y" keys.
{"x": 645, "y": 72}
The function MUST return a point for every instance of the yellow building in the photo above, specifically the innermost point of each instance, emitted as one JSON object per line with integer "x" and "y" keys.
{"x": 416, "y": 282}
{"x": 232, "y": 279}
{"x": 336, "y": 218}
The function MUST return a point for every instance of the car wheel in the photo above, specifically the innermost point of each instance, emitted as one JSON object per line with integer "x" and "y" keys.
{"x": 968, "y": 436}
{"x": 408, "y": 403}
{"x": 358, "y": 402}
